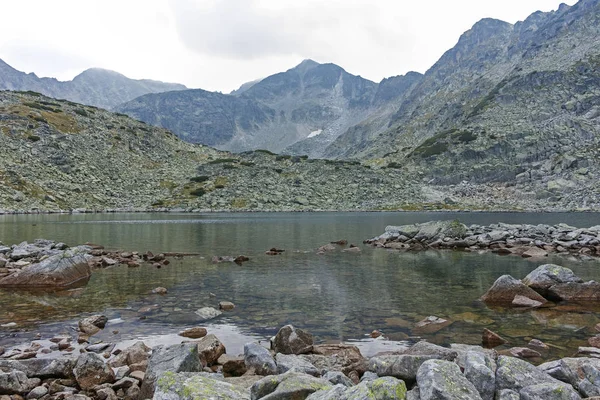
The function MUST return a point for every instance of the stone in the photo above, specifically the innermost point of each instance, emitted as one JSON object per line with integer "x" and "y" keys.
{"x": 515, "y": 374}
{"x": 91, "y": 370}
{"x": 522, "y": 301}
{"x": 402, "y": 366}
{"x": 226, "y": 306}
{"x": 537, "y": 344}
{"x": 139, "y": 375}
{"x": 547, "y": 275}
{"x": 424, "y": 348}
{"x": 534, "y": 252}
{"x": 37, "y": 392}
{"x": 182, "y": 357}
{"x": 193, "y": 333}
{"x": 387, "y": 388}
{"x": 134, "y": 354}
{"x": 439, "y": 380}
{"x": 590, "y": 384}
{"x": 521, "y": 352}
{"x": 93, "y": 324}
{"x": 42, "y": 368}
{"x": 289, "y": 362}
{"x": 572, "y": 291}
{"x": 121, "y": 372}
{"x": 62, "y": 270}
{"x": 187, "y": 386}
{"x": 291, "y": 385}
{"x": 16, "y": 382}
{"x": 232, "y": 366}
{"x": 99, "y": 348}
{"x": 504, "y": 290}
{"x": 160, "y": 290}
{"x": 260, "y": 359}
{"x": 480, "y": 372}
{"x": 491, "y": 339}
{"x": 560, "y": 369}
{"x": 290, "y": 340}
{"x": 206, "y": 313}
{"x": 210, "y": 349}
{"x": 338, "y": 378}
{"x": 431, "y": 324}
{"x": 549, "y": 391}
{"x": 106, "y": 393}
{"x": 507, "y": 394}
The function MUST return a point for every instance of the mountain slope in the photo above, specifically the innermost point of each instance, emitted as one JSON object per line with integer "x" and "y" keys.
{"x": 311, "y": 100}
{"x": 97, "y": 87}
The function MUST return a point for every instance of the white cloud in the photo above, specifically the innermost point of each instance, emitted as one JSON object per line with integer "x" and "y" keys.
{"x": 219, "y": 44}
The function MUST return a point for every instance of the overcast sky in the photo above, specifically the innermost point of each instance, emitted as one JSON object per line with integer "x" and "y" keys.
{"x": 220, "y": 44}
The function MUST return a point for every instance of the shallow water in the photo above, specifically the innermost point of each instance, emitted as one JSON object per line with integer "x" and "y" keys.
{"x": 336, "y": 296}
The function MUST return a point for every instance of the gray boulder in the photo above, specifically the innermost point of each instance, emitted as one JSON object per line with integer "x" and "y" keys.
{"x": 176, "y": 358}
{"x": 190, "y": 386}
{"x": 291, "y": 385}
{"x": 37, "y": 393}
{"x": 25, "y": 250}
{"x": 560, "y": 369}
{"x": 549, "y": 391}
{"x": 91, "y": 370}
{"x": 573, "y": 291}
{"x": 440, "y": 380}
{"x": 507, "y": 394}
{"x": 206, "y": 313}
{"x": 210, "y": 349}
{"x": 288, "y": 362}
{"x": 41, "y": 367}
{"x": 16, "y": 382}
{"x": 424, "y": 348}
{"x": 259, "y": 359}
{"x": 544, "y": 276}
{"x": 504, "y": 290}
{"x": 590, "y": 384}
{"x": 387, "y": 388}
{"x": 68, "y": 268}
{"x": 134, "y": 354}
{"x": 515, "y": 374}
{"x": 338, "y": 378}
{"x": 479, "y": 371}
{"x": 291, "y": 340}
{"x": 404, "y": 366}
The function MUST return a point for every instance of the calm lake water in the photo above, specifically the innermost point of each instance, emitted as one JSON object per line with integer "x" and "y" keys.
{"x": 336, "y": 296}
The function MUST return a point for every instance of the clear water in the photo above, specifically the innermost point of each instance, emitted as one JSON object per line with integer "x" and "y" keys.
{"x": 336, "y": 296}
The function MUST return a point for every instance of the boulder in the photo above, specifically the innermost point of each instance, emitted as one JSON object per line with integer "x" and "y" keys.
{"x": 37, "y": 392}
{"x": 544, "y": 276}
{"x": 440, "y": 380}
{"x": 66, "y": 269}
{"x": 404, "y": 366}
{"x": 480, "y": 372}
{"x": 491, "y": 339}
{"x": 42, "y": 368}
{"x": 338, "y": 378}
{"x": 507, "y": 394}
{"x": 259, "y": 359}
{"x": 549, "y": 391}
{"x": 232, "y": 366}
{"x": 522, "y": 301}
{"x": 515, "y": 374}
{"x": 16, "y": 382}
{"x": 206, "y": 313}
{"x": 534, "y": 252}
{"x": 290, "y": 340}
{"x": 590, "y": 384}
{"x": 93, "y": 324}
{"x": 134, "y": 354}
{"x": 193, "y": 333}
{"x": 210, "y": 349}
{"x": 387, "y": 388}
{"x": 226, "y": 306}
{"x": 189, "y": 386}
{"x": 291, "y": 385}
{"x": 424, "y": 348}
{"x": 572, "y": 291}
{"x": 182, "y": 357}
{"x": 289, "y": 362}
{"x": 504, "y": 290}
{"x": 91, "y": 370}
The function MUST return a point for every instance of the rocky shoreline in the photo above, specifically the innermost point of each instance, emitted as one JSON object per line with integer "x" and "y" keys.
{"x": 529, "y": 241}
{"x": 293, "y": 367}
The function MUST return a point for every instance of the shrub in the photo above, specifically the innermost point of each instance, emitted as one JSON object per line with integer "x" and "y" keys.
{"x": 80, "y": 111}
{"x": 222, "y": 160}
{"x": 198, "y": 192}
{"x": 34, "y": 138}
{"x": 201, "y": 178}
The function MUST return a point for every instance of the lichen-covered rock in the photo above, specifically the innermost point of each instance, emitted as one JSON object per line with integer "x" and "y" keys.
{"x": 560, "y": 369}
{"x": 190, "y": 386}
{"x": 442, "y": 380}
{"x": 590, "y": 384}
{"x": 404, "y": 366}
{"x": 182, "y": 357}
{"x": 544, "y": 276}
{"x": 504, "y": 290}
{"x": 135, "y": 354}
{"x": 507, "y": 394}
{"x": 289, "y": 362}
{"x": 424, "y": 348}
{"x": 338, "y": 378}
{"x": 91, "y": 370}
{"x": 549, "y": 391}
{"x": 480, "y": 372}
{"x": 291, "y": 340}
{"x": 515, "y": 374}
{"x": 387, "y": 388}
{"x": 259, "y": 359}
{"x": 291, "y": 385}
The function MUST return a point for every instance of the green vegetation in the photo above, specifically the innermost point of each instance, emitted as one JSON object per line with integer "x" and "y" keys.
{"x": 39, "y": 106}
{"x": 34, "y": 138}
{"x": 222, "y": 161}
{"x": 198, "y": 192}
{"x": 265, "y": 152}
{"x": 81, "y": 111}
{"x": 199, "y": 179}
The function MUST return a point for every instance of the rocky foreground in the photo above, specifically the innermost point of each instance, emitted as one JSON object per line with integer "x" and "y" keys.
{"x": 293, "y": 368}
{"x": 519, "y": 239}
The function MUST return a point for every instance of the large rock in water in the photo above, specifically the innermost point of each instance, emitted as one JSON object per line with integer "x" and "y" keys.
{"x": 290, "y": 340}
{"x": 504, "y": 290}
{"x": 572, "y": 291}
{"x": 441, "y": 380}
{"x": 66, "y": 269}
{"x": 182, "y": 357}
{"x": 544, "y": 276}
{"x": 190, "y": 386}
